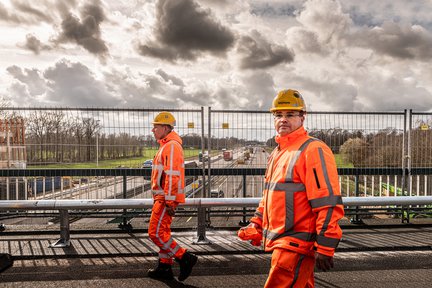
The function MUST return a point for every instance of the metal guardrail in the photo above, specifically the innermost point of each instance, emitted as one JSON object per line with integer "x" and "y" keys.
{"x": 202, "y": 204}
{"x": 63, "y": 206}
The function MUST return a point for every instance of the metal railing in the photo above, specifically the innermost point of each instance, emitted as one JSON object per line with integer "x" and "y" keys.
{"x": 357, "y": 205}
{"x": 63, "y": 206}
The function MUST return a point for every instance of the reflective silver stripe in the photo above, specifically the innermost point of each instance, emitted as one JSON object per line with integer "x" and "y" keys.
{"x": 328, "y": 242}
{"x": 289, "y": 189}
{"x": 171, "y": 169}
{"x": 173, "y": 172}
{"x": 330, "y": 189}
{"x": 158, "y": 192}
{"x": 325, "y": 171}
{"x": 159, "y": 161}
{"x": 290, "y": 171}
{"x": 258, "y": 215}
{"x": 175, "y": 249}
{"x": 158, "y": 167}
{"x": 297, "y": 270}
{"x": 164, "y": 244}
{"x": 286, "y": 187}
{"x": 158, "y": 226}
{"x": 168, "y": 244}
{"x": 331, "y": 200}
{"x": 326, "y": 221}
{"x": 305, "y": 236}
{"x": 170, "y": 198}
{"x": 164, "y": 256}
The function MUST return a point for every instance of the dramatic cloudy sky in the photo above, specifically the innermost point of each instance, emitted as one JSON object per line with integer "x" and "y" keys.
{"x": 341, "y": 55}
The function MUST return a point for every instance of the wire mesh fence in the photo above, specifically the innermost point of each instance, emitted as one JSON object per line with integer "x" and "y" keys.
{"x": 111, "y": 138}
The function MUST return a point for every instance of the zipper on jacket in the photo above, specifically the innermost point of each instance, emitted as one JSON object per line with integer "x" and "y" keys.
{"x": 316, "y": 178}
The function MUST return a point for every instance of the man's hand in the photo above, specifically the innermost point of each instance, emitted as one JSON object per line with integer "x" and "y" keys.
{"x": 170, "y": 210}
{"x": 323, "y": 262}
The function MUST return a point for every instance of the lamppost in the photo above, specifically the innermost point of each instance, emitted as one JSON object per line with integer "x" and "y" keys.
{"x": 97, "y": 143}
{"x": 97, "y": 149}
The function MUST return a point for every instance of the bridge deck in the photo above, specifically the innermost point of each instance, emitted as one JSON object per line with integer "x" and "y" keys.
{"x": 377, "y": 256}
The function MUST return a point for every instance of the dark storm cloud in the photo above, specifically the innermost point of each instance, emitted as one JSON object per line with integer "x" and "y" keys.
{"x": 399, "y": 41}
{"x": 85, "y": 31}
{"x": 34, "y": 44}
{"x": 258, "y": 53}
{"x": 184, "y": 30}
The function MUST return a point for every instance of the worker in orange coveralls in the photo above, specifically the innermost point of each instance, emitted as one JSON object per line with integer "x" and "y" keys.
{"x": 167, "y": 184}
{"x": 298, "y": 215}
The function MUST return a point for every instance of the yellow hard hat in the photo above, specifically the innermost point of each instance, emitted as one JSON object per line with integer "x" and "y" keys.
{"x": 288, "y": 100}
{"x": 165, "y": 118}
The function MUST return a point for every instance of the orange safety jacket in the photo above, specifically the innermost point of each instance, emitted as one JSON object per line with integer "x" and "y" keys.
{"x": 168, "y": 177}
{"x": 301, "y": 203}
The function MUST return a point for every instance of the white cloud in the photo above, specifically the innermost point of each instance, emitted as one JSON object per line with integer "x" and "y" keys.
{"x": 341, "y": 55}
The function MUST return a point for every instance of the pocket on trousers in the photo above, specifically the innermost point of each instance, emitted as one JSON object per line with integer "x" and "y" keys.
{"x": 285, "y": 259}
{"x": 157, "y": 207}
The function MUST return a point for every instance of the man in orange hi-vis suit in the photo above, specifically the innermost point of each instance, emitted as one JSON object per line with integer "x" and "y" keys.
{"x": 298, "y": 215}
{"x": 167, "y": 184}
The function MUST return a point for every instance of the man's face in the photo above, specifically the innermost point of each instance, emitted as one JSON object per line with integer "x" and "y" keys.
{"x": 160, "y": 131}
{"x": 287, "y": 121}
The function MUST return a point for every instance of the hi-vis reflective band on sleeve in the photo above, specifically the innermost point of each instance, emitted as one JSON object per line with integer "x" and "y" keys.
{"x": 158, "y": 192}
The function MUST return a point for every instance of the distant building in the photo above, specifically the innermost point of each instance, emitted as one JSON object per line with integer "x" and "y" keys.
{"x": 12, "y": 155}
{"x": 12, "y": 143}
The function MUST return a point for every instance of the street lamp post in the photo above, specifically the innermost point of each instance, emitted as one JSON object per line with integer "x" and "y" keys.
{"x": 97, "y": 149}
{"x": 97, "y": 143}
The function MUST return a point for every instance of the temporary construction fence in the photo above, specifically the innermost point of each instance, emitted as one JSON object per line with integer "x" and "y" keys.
{"x": 109, "y": 138}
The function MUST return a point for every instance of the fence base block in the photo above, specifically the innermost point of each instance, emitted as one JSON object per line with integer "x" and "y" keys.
{"x": 61, "y": 243}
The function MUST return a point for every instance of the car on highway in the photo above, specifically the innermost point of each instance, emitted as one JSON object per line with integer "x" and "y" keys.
{"x": 214, "y": 193}
{"x": 147, "y": 164}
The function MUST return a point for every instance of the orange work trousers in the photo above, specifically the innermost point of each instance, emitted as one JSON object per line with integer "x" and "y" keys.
{"x": 160, "y": 233}
{"x": 291, "y": 269}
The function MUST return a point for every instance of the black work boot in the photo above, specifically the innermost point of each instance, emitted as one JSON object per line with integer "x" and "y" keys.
{"x": 161, "y": 272}
{"x": 6, "y": 261}
{"x": 186, "y": 263}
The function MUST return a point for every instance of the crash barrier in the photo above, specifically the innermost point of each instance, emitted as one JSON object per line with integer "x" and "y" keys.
{"x": 64, "y": 206}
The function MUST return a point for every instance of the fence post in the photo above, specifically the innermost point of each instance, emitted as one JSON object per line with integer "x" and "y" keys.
{"x": 244, "y": 222}
{"x": 125, "y": 225}
{"x": 356, "y": 219}
{"x": 64, "y": 240}
{"x": 201, "y": 228}
{"x": 406, "y": 166}
{"x": 208, "y": 220}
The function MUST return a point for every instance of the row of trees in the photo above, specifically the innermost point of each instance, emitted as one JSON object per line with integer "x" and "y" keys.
{"x": 51, "y": 137}
{"x": 386, "y": 149}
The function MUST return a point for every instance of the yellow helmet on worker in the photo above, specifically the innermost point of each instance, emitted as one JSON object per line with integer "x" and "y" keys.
{"x": 165, "y": 118}
{"x": 288, "y": 100}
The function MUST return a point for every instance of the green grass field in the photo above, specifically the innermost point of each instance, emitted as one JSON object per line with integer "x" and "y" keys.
{"x": 133, "y": 162}
{"x": 341, "y": 163}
